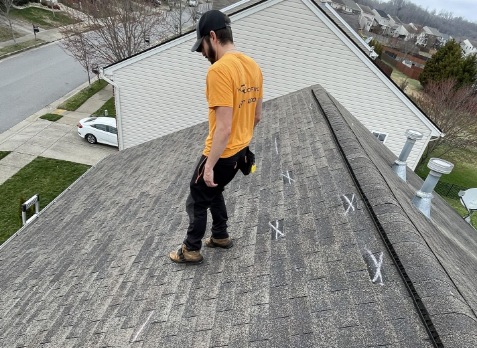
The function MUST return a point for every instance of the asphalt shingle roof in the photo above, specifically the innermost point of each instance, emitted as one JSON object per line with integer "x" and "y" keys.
{"x": 93, "y": 270}
{"x": 382, "y": 13}
{"x": 366, "y": 9}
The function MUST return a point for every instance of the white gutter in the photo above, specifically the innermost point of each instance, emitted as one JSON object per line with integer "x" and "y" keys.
{"x": 117, "y": 105}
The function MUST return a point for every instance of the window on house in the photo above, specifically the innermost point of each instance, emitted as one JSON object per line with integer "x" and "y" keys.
{"x": 381, "y": 136}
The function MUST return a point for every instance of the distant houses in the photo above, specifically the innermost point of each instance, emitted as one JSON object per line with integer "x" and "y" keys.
{"x": 469, "y": 47}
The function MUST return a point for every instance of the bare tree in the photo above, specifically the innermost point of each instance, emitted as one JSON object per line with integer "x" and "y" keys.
{"x": 454, "y": 111}
{"x": 177, "y": 18}
{"x": 5, "y": 6}
{"x": 407, "y": 47}
{"x": 111, "y": 30}
{"x": 78, "y": 48}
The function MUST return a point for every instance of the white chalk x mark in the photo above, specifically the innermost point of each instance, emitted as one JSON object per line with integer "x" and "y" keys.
{"x": 350, "y": 204}
{"x": 378, "y": 265}
{"x": 142, "y": 327}
{"x": 278, "y": 233}
{"x": 287, "y": 176}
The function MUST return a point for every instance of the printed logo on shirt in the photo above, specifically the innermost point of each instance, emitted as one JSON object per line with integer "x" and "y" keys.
{"x": 244, "y": 89}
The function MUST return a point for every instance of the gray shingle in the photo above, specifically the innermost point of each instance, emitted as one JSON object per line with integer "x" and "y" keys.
{"x": 107, "y": 282}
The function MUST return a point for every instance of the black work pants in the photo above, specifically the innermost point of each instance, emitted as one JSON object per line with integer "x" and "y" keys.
{"x": 203, "y": 197}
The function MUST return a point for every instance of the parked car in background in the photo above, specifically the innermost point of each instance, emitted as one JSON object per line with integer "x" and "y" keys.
{"x": 192, "y": 2}
{"x": 99, "y": 130}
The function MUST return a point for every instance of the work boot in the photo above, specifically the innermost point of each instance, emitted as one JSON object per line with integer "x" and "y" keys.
{"x": 225, "y": 243}
{"x": 186, "y": 256}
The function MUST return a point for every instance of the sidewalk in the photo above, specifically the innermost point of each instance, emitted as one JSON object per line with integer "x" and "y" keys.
{"x": 35, "y": 137}
{"x": 45, "y": 35}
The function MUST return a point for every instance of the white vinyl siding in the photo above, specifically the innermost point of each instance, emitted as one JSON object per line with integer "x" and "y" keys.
{"x": 164, "y": 92}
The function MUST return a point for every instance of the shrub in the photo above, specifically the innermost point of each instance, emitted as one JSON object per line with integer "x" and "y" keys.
{"x": 21, "y": 2}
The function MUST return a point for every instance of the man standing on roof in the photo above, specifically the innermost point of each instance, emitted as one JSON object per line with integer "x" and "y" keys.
{"x": 234, "y": 94}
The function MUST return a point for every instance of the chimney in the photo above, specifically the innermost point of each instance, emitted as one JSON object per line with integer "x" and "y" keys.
{"x": 422, "y": 198}
{"x": 399, "y": 166}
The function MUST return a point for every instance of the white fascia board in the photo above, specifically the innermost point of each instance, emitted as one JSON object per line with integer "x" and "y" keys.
{"x": 360, "y": 54}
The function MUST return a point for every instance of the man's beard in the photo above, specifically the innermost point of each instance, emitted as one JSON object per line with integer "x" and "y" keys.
{"x": 211, "y": 54}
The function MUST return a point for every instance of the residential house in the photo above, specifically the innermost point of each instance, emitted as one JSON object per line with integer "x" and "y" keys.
{"x": 444, "y": 38}
{"x": 428, "y": 37}
{"x": 383, "y": 20}
{"x": 157, "y": 93}
{"x": 366, "y": 18}
{"x": 394, "y": 22}
{"x": 329, "y": 250}
{"x": 469, "y": 47}
{"x": 337, "y": 4}
{"x": 406, "y": 32}
{"x": 351, "y": 7}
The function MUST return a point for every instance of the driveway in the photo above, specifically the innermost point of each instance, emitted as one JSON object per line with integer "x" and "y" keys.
{"x": 35, "y": 137}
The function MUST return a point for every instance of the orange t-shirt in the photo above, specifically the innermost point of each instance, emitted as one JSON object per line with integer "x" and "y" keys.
{"x": 236, "y": 81}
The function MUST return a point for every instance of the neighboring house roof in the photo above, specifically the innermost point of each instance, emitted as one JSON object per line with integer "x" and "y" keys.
{"x": 445, "y": 36}
{"x": 474, "y": 43}
{"x": 346, "y": 260}
{"x": 396, "y": 20}
{"x": 351, "y": 4}
{"x": 341, "y": 2}
{"x": 353, "y": 21}
{"x": 382, "y": 13}
{"x": 432, "y": 31}
{"x": 410, "y": 29}
{"x": 366, "y": 9}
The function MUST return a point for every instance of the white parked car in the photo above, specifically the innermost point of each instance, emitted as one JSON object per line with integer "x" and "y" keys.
{"x": 99, "y": 130}
{"x": 192, "y": 2}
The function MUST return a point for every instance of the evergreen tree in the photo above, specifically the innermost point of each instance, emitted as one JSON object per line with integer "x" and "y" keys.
{"x": 448, "y": 63}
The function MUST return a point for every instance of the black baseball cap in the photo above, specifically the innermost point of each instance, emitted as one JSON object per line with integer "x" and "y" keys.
{"x": 211, "y": 20}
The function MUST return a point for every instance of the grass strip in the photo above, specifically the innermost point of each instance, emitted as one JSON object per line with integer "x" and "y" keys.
{"x": 19, "y": 46}
{"x": 51, "y": 117}
{"x": 459, "y": 208}
{"x": 6, "y": 34}
{"x": 109, "y": 106}
{"x": 74, "y": 102}
{"x": 45, "y": 19}
{"x": 45, "y": 176}
{"x": 3, "y": 154}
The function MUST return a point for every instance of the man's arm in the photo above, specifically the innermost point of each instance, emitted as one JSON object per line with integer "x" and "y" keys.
{"x": 223, "y": 128}
{"x": 258, "y": 112}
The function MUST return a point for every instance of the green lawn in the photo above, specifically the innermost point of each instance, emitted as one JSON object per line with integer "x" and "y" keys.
{"x": 109, "y": 105}
{"x": 45, "y": 176}
{"x": 45, "y": 19}
{"x": 397, "y": 76}
{"x": 6, "y": 34}
{"x": 51, "y": 117}
{"x": 79, "y": 98}
{"x": 3, "y": 154}
{"x": 458, "y": 207}
{"x": 464, "y": 172}
{"x": 19, "y": 46}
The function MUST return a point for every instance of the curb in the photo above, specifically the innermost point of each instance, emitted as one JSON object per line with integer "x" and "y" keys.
{"x": 24, "y": 49}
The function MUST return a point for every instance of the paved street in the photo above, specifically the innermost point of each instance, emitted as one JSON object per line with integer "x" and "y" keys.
{"x": 33, "y": 79}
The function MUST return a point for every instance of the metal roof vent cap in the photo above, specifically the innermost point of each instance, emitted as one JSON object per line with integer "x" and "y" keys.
{"x": 422, "y": 198}
{"x": 399, "y": 166}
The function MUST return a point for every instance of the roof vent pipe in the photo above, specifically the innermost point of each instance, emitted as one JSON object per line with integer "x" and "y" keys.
{"x": 422, "y": 198}
{"x": 399, "y": 166}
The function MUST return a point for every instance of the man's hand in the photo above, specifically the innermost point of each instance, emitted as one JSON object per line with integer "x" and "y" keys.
{"x": 209, "y": 176}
